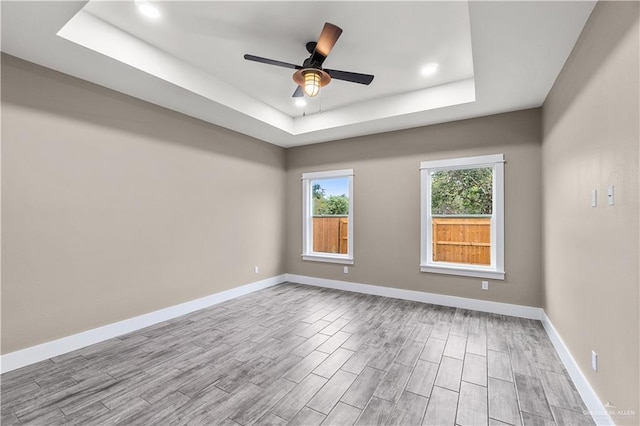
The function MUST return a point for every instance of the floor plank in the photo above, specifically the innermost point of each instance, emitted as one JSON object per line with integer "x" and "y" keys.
{"x": 271, "y": 420}
{"x": 531, "y": 396}
{"x": 334, "y": 342}
{"x": 433, "y": 350}
{"x": 261, "y": 405}
{"x": 393, "y": 383}
{"x": 455, "y": 347}
{"x": 292, "y": 403}
{"x": 342, "y": 414}
{"x": 305, "y": 366}
{"x": 531, "y": 420}
{"x": 570, "y": 417}
{"x": 422, "y": 378}
{"x": 499, "y": 366}
{"x": 363, "y": 387}
{"x": 449, "y": 374}
{"x": 472, "y": 405}
{"x": 474, "y": 369}
{"x": 477, "y": 344}
{"x": 360, "y": 359}
{"x": 442, "y": 407}
{"x": 409, "y": 353}
{"x": 331, "y": 392}
{"x": 377, "y": 412}
{"x": 307, "y": 417}
{"x": 561, "y": 392}
{"x": 503, "y": 402}
{"x": 333, "y": 363}
{"x": 409, "y": 410}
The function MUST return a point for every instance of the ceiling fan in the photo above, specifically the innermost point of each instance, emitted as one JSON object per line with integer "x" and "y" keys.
{"x": 310, "y": 77}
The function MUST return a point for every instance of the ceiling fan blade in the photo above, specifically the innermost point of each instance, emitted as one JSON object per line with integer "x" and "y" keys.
{"x": 353, "y": 77}
{"x": 298, "y": 93}
{"x": 328, "y": 37}
{"x": 271, "y": 62}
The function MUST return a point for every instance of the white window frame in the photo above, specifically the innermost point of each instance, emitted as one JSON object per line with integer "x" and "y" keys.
{"x": 496, "y": 269}
{"x": 307, "y": 218}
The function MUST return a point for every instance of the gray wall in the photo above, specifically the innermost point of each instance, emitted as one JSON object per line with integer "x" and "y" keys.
{"x": 387, "y": 204}
{"x": 591, "y": 138}
{"x": 113, "y": 207}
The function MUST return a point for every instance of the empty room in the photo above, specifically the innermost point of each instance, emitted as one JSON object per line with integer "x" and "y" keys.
{"x": 314, "y": 212}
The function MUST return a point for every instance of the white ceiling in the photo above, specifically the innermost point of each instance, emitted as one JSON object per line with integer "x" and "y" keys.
{"x": 493, "y": 57}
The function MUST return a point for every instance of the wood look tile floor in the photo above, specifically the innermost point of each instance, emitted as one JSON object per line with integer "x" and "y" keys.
{"x": 301, "y": 355}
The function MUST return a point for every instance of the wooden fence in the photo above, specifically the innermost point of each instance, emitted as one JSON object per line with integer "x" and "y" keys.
{"x": 331, "y": 234}
{"x": 455, "y": 239}
{"x": 462, "y": 240}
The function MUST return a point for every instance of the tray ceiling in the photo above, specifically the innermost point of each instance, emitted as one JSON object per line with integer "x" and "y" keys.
{"x": 491, "y": 57}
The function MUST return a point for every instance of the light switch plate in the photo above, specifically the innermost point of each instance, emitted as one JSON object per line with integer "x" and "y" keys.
{"x": 594, "y": 198}
{"x": 610, "y": 195}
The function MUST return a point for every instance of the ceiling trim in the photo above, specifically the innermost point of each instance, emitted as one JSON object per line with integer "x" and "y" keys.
{"x": 93, "y": 33}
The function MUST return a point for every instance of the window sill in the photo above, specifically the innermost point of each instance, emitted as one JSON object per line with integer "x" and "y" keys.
{"x": 328, "y": 258}
{"x": 452, "y": 269}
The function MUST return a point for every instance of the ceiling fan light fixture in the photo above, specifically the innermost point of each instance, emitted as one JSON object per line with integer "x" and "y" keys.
{"x": 311, "y": 80}
{"x": 311, "y": 83}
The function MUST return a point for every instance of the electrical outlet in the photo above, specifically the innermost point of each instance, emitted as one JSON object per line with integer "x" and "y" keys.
{"x": 594, "y": 361}
{"x": 256, "y": 269}
{"x": 345, "y": 270}
{"x": 485, "y": 285}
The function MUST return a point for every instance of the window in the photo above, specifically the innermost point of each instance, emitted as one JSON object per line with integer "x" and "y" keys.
{"x": 463, "y": 216}
{"x": 327, "y": 234}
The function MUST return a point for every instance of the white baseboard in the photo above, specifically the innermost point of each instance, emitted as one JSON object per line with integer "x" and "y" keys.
{"x": 33, "y": 354}
{"x": 595, "y": 407}
{"x": 529, "y": 312}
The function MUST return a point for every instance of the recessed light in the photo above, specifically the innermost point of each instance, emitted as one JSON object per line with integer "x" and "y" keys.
{"x": 148, "y": 10}
{"x": 300, "y": 102}
{"x": 429, "y": 69}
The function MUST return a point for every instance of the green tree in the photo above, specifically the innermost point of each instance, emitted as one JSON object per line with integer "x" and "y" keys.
{"x": 465, "y": 191}
{"x": 318, "y": 198}
{"x": 337, "y": 205}
{"x": 331, "y": 205}
{"x": 317, "y": 191}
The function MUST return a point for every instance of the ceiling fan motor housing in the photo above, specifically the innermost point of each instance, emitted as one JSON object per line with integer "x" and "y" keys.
{"x": 311, "y": 46}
